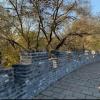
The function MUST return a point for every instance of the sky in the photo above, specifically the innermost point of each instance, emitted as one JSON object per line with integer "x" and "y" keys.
{"x": 95, "y": 6}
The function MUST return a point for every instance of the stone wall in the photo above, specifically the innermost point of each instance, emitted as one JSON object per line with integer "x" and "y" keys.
{"x": 37, "y": 71}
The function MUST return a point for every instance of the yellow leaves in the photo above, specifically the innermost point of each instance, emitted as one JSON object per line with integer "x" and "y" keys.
{"x": 92, "y": 42}
{"x": 88, "y": 25}
{"x": 10, "y": 56}
{"x": 84, "y": 24}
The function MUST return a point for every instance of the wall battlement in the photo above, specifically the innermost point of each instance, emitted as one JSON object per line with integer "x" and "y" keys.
{"x": 37, "y": 71}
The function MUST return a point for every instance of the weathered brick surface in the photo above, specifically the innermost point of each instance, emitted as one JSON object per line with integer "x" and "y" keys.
{"x": 36, "y": 72}
{"x": 72, "y": 87}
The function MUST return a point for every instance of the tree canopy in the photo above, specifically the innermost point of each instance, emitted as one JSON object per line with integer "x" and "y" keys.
{"x": 45, "y": 25}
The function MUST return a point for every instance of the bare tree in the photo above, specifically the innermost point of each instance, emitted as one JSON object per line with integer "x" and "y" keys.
{"x": 48, "y": 16}
{"x": 52, "y": 15}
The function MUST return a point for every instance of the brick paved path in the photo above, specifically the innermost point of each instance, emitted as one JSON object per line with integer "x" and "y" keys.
{"x": 80, "y": 84}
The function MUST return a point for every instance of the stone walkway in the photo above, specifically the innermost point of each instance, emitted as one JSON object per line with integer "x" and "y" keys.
{"x": 80, "y": 84}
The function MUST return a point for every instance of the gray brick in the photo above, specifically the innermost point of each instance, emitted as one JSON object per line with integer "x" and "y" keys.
{"x": 50, "y": 88}
{"x": 58, "y": 95}
{"x": 79, "y": 95}
{"x": 47, "y": 93}
{"x": 46, "y": 97}
{"x": 87, "y": 92}
{"x": 94, "y": 90}
{"x": 36, "y": 77}
{"x": 57, "y": 90}
{"x": 90, "y": 97}
{"x": 69, "y": 97}
{"x": 68, "y": 93}
{"x": 96, "y": 94}
{"x": 38, "y": 97}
